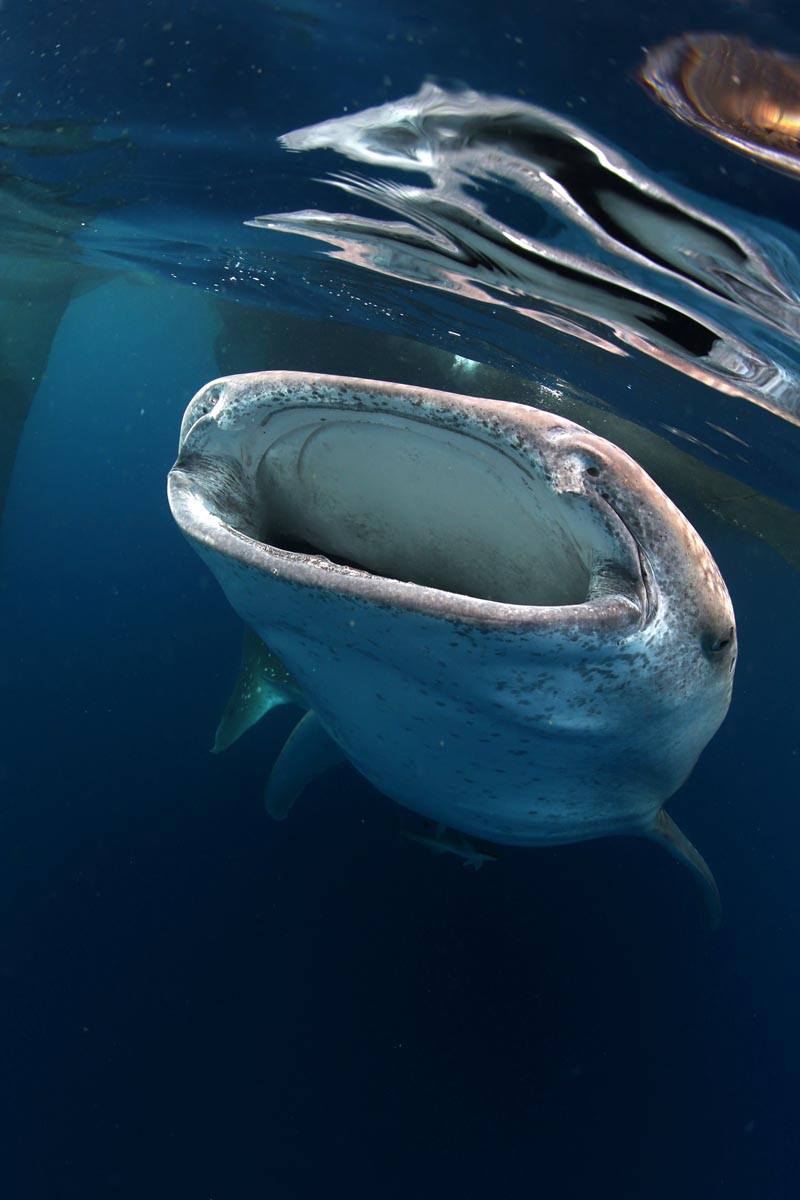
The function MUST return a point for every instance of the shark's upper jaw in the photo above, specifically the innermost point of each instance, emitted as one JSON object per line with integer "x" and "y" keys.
{"x": 441, "y": 502}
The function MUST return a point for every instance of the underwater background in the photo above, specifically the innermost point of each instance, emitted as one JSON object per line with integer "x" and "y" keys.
{"x": 197, "y": 1002}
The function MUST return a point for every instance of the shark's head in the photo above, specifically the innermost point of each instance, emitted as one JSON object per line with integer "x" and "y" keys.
{"x": 489, "y": 512}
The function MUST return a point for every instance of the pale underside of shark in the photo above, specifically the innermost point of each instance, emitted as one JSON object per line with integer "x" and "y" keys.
{"x": 494, "y": 615}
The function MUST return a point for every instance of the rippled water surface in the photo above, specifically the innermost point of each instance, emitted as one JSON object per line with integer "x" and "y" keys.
{"x": 199, "y": 1002}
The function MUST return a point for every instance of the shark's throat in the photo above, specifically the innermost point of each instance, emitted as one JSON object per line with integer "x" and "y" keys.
{"x": 408, "y": 499}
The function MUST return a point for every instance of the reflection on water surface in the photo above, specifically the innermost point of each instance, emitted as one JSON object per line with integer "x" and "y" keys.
{"x": 620, "y": 260}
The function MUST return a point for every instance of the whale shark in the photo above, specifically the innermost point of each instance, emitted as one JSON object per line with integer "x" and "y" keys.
{"x": 493, "y": 614}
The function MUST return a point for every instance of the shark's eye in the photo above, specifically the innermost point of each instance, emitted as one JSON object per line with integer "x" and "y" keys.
{"x": 714, "y": 644}
{"x": 593, "y": 471}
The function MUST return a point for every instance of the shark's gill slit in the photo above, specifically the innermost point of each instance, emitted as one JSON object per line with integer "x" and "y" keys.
{"x": 422, "y": 503}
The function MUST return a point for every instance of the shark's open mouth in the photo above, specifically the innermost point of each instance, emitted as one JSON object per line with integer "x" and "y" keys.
{"x": 409, "y": 500}
{"x": 375, "y": 488}
{"x": 406, "y": 499}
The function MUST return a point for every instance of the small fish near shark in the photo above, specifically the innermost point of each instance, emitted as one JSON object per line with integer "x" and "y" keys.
{"x": 493, "y": 614}
{"x": 448, "y": 841}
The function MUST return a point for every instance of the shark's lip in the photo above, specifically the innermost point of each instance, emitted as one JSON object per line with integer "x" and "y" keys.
{"x": 614, "y": 613}
{"x": 645, "y": 589}
{"x": 619, "y": 600}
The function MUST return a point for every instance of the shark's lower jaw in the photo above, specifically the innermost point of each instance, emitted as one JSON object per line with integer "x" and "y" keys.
{"x": 411, "y": 493}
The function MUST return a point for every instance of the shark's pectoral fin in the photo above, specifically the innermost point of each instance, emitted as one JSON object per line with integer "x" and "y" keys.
{"x": 667, "y": 834}
{"x": 263, "y": 683}
{"x": 308, "y": 753}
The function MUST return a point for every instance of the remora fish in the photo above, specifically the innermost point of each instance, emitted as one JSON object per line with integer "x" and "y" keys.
{"x": 496, "y": 616}
{"x": 445, "y": 841}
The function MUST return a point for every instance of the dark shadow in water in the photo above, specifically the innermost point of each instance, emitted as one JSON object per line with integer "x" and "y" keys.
{"x": 41, "y": 268}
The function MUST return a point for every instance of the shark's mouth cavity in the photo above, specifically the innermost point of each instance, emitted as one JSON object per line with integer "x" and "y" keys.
{"x": 407, "y": 499}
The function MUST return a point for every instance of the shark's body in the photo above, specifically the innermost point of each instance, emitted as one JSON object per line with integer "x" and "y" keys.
{"x": 496, "y": 616}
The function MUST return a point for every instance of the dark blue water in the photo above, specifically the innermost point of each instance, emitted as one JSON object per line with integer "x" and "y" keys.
{"x": 196, "y": 1002}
